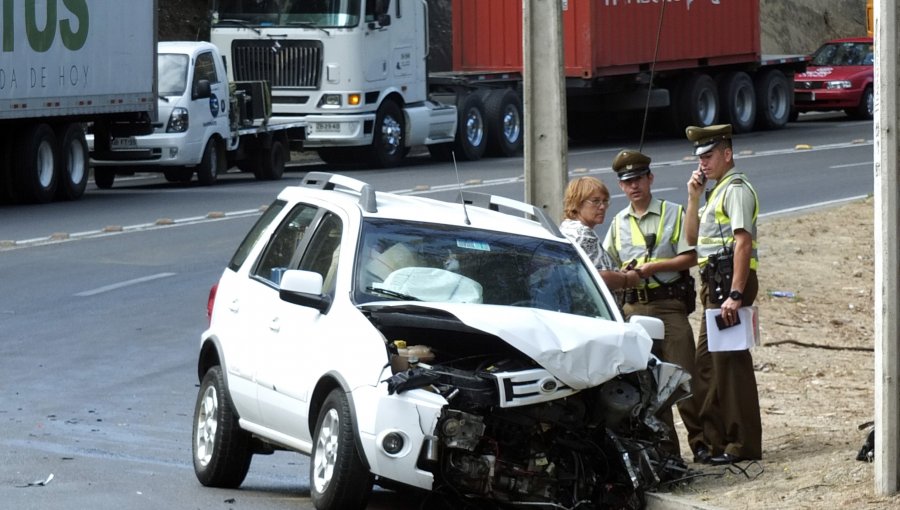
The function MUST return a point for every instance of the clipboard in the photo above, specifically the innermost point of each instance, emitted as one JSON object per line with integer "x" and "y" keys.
{"x": 740, "y": 337}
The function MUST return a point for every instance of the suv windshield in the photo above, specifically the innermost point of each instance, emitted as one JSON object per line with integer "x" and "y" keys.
{"x": 428, "y": 262}
{"x": 312, "y": 13}
{"x": 844, "y": 54}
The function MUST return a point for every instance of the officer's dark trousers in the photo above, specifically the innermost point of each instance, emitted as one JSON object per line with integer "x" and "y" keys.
{"x": 730, "y": 411}
{"x": 677, "y": 348}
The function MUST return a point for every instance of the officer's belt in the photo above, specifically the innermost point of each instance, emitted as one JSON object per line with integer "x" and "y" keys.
{"x": 671, "y": 290}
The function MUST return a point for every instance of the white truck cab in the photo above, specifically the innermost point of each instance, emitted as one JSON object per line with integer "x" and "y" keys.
{"x": 354, "y": 69}
{"x": 197, "y": 129}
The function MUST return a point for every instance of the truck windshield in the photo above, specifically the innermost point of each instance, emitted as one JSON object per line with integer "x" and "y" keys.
{"x": 172, "y": 69}
{"x": 312, "y": 13}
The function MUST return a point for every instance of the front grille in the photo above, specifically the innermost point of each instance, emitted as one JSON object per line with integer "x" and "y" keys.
{"x": 295, "y": 64}
{"x": 810, "y": 85}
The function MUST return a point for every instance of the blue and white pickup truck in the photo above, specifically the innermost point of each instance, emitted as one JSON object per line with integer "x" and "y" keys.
{"x": 206, "y": 124}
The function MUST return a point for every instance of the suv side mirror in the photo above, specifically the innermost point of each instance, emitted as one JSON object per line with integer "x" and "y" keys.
{"x": 303, "y": 288}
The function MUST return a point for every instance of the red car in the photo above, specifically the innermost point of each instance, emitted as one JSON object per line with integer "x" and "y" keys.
{"x": 840, "y": 76}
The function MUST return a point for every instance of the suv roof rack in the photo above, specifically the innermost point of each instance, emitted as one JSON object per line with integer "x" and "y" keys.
{"x": 329, "y": 181}
{"x": 494, "y": 202}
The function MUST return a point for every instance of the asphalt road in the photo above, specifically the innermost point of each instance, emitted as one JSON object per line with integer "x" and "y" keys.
{"x": 102, "y": 306}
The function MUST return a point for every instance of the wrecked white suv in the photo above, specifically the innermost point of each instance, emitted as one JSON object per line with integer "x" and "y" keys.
{"x": 459, "y": 348}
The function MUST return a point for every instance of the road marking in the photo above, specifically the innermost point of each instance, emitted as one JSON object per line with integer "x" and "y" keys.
{"x": 848, "y": 165}
{"x": 7, "y": 245}
{"x": 115, "y": 286}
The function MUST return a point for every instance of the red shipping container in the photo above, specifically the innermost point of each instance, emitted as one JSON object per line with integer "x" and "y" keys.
{"x": 611, "y": 37}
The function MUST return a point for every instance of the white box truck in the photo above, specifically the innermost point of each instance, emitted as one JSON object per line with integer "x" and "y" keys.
{"x": 65, "y": 65}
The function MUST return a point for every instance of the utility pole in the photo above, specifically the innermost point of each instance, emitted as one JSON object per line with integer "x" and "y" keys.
{"x": 546, "y": 136}
{"x": 887, "y": 201}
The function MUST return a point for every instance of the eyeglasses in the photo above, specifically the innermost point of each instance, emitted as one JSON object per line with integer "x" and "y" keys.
{"x": 597, "y": 202}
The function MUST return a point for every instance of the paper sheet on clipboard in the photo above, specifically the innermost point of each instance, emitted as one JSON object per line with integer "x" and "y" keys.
{"x": 736, "y": 338}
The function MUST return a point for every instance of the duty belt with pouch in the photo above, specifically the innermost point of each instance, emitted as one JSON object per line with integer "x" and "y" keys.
{"x": 717, "y": 274}
{"x": 681, "y": 289}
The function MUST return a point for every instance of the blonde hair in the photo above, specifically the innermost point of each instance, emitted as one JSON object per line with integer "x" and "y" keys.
{"x": 578, "y": 191}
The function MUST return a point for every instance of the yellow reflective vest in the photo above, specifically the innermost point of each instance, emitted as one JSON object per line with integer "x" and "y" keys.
{"x": 631, "y": 243}
{"x": 715, "y": 224}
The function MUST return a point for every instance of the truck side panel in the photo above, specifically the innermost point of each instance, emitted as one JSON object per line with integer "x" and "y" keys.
{"x": 77, "y": 58}
{"x": 611, "y": 37}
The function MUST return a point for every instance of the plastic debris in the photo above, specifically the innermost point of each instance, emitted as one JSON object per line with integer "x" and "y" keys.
{"x": 781, "y": 293}
{"x": 39, "y": 483}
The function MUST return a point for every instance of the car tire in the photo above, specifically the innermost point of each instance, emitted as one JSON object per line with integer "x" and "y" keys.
{"x": 738, "y": 101}
{"x": 774, "y": 99}
{"x": 503, "y": 113}
{"x": 337, "y": 478}
{"x": 471, "y": 135}
{"x": 865, "y": 110}
{"x": 73, "y": 161}
{"x": 387, "y": 141}
{"x": 270, "y": 162}
{"x": 104, "y": 177}
{"x": 35, "y": 164}
{"x": 221, "y": 450}
{"x": 698, "y": 101}
{"x": 212, "y": 164}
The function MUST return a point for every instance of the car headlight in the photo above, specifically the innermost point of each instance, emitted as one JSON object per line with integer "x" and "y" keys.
{"x": 839, "y": 84}
{"x": 178, "y": 121}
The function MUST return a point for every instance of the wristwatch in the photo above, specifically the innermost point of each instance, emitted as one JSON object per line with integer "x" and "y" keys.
{"x": 736, "y": 295}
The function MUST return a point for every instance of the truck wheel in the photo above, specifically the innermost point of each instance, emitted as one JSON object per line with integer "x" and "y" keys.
{"x": 738, "y": 101}
{"x": 503, "y": 110}
{"x": 471, "y": 141}
{"x": 73, "y": 162}
{"x": 866, "y": 107}
{"x": 35, "y": 164}
{"x": 774, "y": 97}
{"x": 212, "y": 164}
{"x": 222, "y": 452}
{"x": 387, "y": 141}
{"x": 337, "y": 478}
{"x": 270, "y": 162}
{"x": 698, "y": 102}
{"x": 104, "y": 177}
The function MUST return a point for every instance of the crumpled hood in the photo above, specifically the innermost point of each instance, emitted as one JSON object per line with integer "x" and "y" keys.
{"x": 580, "y": 351}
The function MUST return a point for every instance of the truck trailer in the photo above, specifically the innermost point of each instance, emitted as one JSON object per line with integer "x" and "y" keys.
{"x": 358, "y": 71}
{"x": 66, "y": 65}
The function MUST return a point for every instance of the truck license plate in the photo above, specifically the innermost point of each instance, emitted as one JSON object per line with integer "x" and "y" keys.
{"x": 128, "y": 142}
{"x": 328, "y": 127}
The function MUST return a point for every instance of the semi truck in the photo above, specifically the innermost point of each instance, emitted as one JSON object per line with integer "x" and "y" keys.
{"x": 358, "y": 70}
{"x": 66, "y": 65}
{"x": 207, "y": 124}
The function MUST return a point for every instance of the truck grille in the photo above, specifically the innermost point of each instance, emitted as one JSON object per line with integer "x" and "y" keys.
{"x": 281, "y": 63}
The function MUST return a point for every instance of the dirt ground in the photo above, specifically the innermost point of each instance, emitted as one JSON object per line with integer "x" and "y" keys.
{"x": 814, "y": 369}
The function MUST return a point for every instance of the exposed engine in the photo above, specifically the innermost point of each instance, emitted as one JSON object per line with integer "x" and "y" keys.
{"x": 598, "y": 448}
{"x": 512, "y": 434}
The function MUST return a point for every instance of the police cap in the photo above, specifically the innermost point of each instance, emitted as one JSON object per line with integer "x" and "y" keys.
{"x": 705, "y": 138}
{"x": 629, "y": 164}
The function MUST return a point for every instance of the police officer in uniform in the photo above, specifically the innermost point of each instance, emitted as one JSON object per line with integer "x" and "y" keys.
{"x": 724, "y": 232}
{"x": 648, "y": 236}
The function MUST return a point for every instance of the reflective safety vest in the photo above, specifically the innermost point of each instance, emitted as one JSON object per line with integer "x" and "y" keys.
{"x": 715, "y": 225}
{"x": 631, "y": 243}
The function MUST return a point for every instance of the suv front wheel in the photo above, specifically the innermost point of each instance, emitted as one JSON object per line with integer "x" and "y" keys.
{"x": 221, "y": 449}
{"x": 337, "y": 478}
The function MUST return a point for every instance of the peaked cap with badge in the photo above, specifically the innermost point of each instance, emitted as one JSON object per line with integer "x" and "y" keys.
{"x": 705, "y": 138}
{"x": 629, "y": 164}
